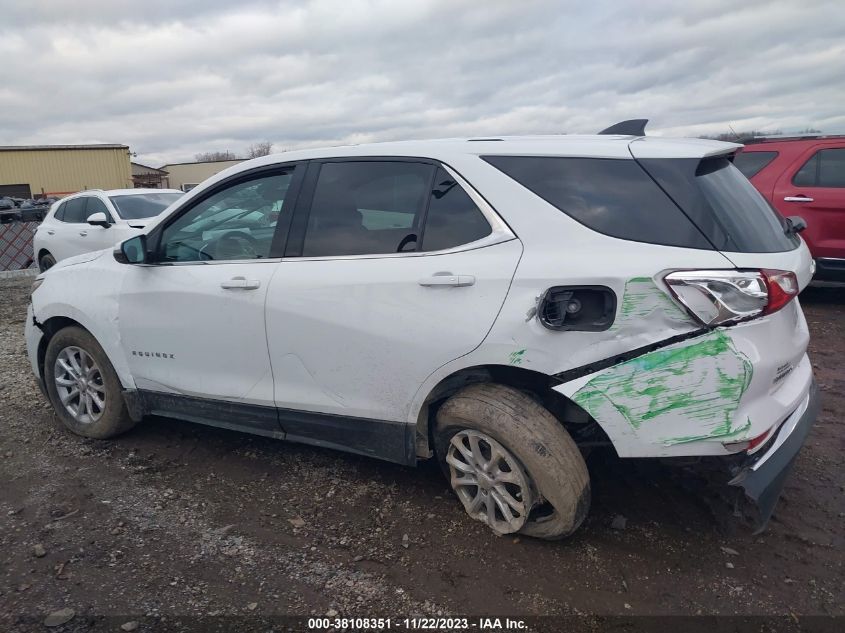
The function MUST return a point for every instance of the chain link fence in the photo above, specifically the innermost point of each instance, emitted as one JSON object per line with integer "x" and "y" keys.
{"x": 16, "y": 245}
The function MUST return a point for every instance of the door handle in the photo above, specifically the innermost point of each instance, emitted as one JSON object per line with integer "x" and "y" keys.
{"x": 797, "y": 199}
{"x": 83, "y": 233}
{"x": 447, "y": 279}
{"x": 240, "y": 283}
{"x": 50, "y": 232}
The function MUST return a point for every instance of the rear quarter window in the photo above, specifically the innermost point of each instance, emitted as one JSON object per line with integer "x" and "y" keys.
{"x": 615, "y": 197}
{"x": 752, "y": 163}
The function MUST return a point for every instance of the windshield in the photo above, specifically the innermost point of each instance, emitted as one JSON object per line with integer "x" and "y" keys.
{"x": 137, "y": 206}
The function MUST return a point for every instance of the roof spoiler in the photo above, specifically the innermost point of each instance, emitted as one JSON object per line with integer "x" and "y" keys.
{"x": 632, "y": 127}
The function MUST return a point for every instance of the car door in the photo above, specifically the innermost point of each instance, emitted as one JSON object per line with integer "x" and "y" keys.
{"x": 192, "y": 322}
{"x": 814, "y": 188}
{"x": 394, "y": 268}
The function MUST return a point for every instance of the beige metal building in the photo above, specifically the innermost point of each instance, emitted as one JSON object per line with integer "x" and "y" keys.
{"x": 186, "y": 176}
{"x": 59, "y": 170}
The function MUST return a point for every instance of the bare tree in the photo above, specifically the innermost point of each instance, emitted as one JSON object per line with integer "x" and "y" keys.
{"x": 744, "y": 135}
{"x": 262, "y": 148}
{"x": 739, "y": 136}
{"x": 204, "y": 157}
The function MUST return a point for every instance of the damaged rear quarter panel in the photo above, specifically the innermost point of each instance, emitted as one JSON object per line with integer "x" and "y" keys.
{"x": 683, "y": 393}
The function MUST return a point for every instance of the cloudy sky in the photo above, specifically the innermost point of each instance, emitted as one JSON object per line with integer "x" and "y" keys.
{"x": 172, "y": 78}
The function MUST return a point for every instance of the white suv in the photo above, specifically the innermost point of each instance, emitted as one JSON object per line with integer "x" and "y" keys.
{"x": 95, "y": 219}
{"x": 497, "y": 304}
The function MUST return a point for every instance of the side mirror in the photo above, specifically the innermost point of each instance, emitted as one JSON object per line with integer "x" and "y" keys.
{"x": 795, "y": 224}
{"x": 98, "y": 219}
{"x": 132, "y": 251}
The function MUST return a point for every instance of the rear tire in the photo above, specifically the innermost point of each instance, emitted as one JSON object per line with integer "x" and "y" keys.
{"x": 46, "y": 262}
{"x": 537, "y": 449}
{"x": 83, "y": 386}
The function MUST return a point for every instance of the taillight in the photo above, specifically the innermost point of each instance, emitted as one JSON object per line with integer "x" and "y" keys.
{"x": 782, "y": 286}
{"x": 717, "y": 297}
{"x": 755, "y": 443}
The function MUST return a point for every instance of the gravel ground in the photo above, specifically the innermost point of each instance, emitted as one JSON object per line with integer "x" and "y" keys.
{"x": 175, "y": 520}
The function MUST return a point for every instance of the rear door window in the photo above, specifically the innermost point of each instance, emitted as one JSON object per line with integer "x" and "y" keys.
{"x": 832, "y": 168}
{"x": 825, "y": 168}
{"x": 752, "y": 163}
{"x": 384, "y": 207}
{"x": 612, "y": 196}
{"x": 367, "y": 208}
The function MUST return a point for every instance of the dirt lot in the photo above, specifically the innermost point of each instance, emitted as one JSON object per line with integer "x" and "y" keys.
{"x": 175, "y": 519}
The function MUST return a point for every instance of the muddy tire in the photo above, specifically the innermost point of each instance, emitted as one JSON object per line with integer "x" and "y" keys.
{"x": 46, "y": 262}
{"x": 529, "y": 445}
{"x": 83, "y": 386}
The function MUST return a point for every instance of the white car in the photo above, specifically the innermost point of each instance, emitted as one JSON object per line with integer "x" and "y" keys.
{"x": 497, "y": 304}
{"x": 95, "y": 219}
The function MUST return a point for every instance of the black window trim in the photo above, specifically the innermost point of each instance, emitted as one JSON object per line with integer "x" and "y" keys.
{"x": 499, "y": 229}
{"x": 280, "y": 236}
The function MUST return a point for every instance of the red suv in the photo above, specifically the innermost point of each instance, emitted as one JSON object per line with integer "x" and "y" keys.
{"x": 804, "y": 176}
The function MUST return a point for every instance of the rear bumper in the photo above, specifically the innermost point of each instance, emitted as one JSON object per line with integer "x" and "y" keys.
{"x": 763, "y": 474}
{"x": 830, "y": 269}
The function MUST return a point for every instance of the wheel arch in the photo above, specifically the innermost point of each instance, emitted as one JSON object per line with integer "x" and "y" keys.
{"x": 50, "y": 328}
{"x": 539, "y": 385}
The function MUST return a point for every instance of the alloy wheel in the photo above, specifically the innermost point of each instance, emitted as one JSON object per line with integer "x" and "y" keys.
{"x": 79, "y": 384}
{"x": 489, "y": 481}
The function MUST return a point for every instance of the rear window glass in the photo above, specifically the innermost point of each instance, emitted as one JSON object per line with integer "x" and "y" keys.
{"x": 612, "y": 196}
{"x": 143, "y": 205}
{"x": 752, "y": 163}
{"x": 723, "y": 204}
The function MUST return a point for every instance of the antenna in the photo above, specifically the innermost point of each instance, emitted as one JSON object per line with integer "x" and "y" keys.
{"x": 631, "y": 127}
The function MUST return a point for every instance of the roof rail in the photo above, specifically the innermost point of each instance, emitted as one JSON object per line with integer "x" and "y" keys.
{"x": 787, "y": 137}
{"x": 631, "y": 127}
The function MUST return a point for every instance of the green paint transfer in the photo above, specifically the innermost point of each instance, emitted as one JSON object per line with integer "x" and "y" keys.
{"x": 516, "y": 357}
{"x": 642, "y": 298}
{"x": 692, "y": 386}
{"x": 740, "y": 430}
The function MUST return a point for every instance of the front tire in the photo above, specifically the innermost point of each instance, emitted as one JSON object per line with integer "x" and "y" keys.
{"x": 83, "y": 386}
{"x": 46, "y": 262}
{"x": 511, "y": 463}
